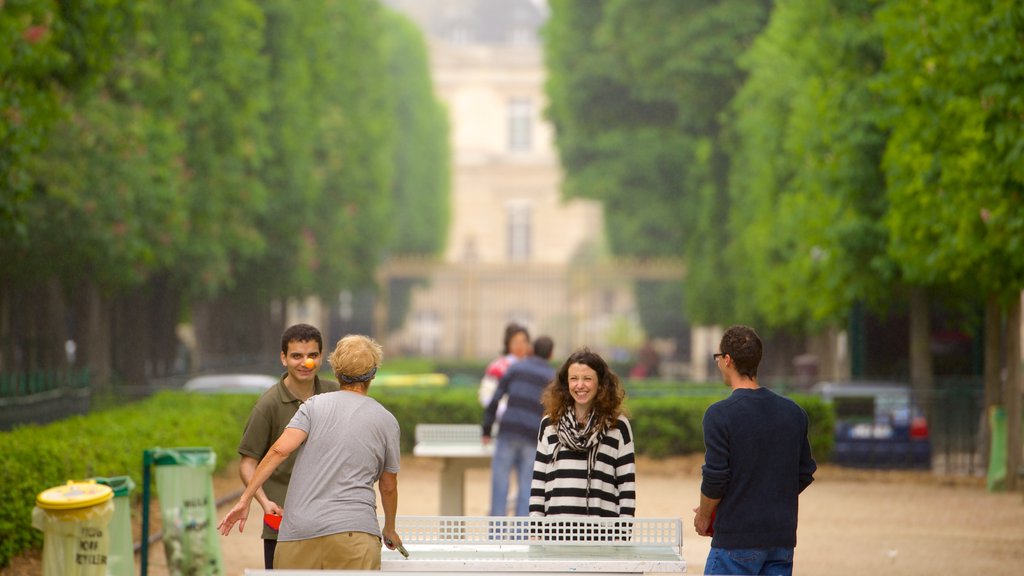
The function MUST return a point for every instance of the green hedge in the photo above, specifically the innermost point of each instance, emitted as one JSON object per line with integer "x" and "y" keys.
{"x": 111, "y": 442}
{"x": 666, "y": 425}
{"x": 107, "y": 443}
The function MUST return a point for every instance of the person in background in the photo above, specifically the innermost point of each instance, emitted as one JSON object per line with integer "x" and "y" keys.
{"x": 647, "y": 362}
{"x": 517, "y": 345}
{"x": 301, "y": 351}
{"x": 346, "y": 442}
{"x": 516, "y": 446}
{"x": 585, "y": 463}
{"x": 757, "y": 462}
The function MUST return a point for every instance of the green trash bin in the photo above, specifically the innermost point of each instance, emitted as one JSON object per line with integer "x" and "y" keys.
{"x": 75, "y": 521}
{"x": 121, "y": 557}
{"x": 184, "y": 482}
{"x": 998, "y": 460}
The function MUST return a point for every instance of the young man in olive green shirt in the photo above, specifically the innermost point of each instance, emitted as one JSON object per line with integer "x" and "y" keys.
{"x": 301, "y": 356}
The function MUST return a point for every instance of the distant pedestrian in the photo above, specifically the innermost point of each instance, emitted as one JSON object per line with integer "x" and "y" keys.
{"x": 585, "y": 463}
{"x": 516, "y": 346}
{"x": 516, "y": 446}
{"x": 757, "y": 462}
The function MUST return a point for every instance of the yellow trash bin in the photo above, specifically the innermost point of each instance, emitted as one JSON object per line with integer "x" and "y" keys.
{"x": 75, "y": 521}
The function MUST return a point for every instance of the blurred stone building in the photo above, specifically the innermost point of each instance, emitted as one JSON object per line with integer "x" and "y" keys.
{"x": 516, "y": 251}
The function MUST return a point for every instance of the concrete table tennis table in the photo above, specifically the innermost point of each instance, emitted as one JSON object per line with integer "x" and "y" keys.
{"x": 535, "y": 546}
{"x": 459, "y": 447}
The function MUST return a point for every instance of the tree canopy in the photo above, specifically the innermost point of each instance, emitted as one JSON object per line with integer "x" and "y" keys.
{"x": 158, "y": 155}
{"x": 638, "y": 90}
{"x": 805, "y": 158}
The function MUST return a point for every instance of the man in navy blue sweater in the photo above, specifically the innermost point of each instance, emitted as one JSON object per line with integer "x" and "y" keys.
{"x": 757, "y": 461}
{"x": 516, "y": 447}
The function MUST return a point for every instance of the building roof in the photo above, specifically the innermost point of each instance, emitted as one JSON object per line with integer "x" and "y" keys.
{"x": 477, "y": 22}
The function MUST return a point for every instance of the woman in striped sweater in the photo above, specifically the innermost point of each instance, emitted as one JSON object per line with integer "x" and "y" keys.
{"x": 585, "y": 464}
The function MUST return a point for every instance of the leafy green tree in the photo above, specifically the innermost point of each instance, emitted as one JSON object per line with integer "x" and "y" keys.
{"x": 643, "y": 132}
{"x": 294, "y": 40}
{"x": 62, "y": 221}
{"x": 954, "y": 163}
{"x": 616, "y": 147}
{"x": 328, "y": 168}
{"x": 808, "y": 193}
{"x": 46, "y": 50}
{"x": 161, "y": 159}
{"x": 355, "y": 148}
{"x": 420, "y": 191}
{"x": 224, "y": 89}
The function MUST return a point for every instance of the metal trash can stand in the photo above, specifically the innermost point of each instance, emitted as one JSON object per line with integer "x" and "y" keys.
{"x": 121, "y": 555}
{"x": 75, "y": 522}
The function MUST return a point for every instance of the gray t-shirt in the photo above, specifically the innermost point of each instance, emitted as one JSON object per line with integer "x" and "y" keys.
{"x": 351, "y": 441}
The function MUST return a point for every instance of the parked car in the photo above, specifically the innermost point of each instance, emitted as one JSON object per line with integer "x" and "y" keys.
{"x": 231, "y": 383}
{"x": 878, "y": 425}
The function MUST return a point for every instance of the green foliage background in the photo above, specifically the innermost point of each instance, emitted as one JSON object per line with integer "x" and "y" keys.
{"x": 167, "y": 157}
{"x": 806, "y": 157}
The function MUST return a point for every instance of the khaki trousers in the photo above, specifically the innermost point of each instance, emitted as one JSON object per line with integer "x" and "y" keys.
{"x": 344, "y": 551}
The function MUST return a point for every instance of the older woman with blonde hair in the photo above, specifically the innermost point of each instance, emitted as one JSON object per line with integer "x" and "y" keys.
{"x": 346, "y": 442}
{"x": 585, "y": 464}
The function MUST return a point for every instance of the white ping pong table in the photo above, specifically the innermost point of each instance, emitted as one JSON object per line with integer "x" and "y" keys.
{"x": 537, "y": 546}
{"x": 460, "y": 448}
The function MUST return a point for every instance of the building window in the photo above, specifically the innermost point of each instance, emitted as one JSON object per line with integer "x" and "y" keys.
{"x": 460, "y": 35}
{"x": 520, "y": 117}
{"x": 522, "y": 37}
{"x": 427, "y": 328}
{"x": 518, "y": 218}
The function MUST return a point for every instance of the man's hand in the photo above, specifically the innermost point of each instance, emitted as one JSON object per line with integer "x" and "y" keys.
{"x": 485, "y": 440}
{"x": 391, "y": 539}
{"x": 702, "y": 523}
{"x": 271, "y": 507}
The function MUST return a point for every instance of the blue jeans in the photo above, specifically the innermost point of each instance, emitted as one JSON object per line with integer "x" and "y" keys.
{"x": 512, "y": 454}
{"x": 773, "y": 561}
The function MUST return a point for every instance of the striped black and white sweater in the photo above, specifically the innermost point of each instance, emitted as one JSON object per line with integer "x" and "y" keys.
{"x": 560, "y": 486}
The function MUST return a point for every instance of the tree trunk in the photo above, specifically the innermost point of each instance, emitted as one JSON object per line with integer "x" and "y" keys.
{"x": 922, "y": 380}
{"x": 131, "y": 337}
{"x": 236, "y": 331}
{"x": 53, "y": 328}
{"x": 1013, "y": 393}
{"x": 162, "y": 311}
{"x": 993, "y": 363}
{"x": 92, "y": 335}
{"x": 6, "y": 331}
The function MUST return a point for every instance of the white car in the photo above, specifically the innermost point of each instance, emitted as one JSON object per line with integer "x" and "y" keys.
{"x": 231, "y": 383}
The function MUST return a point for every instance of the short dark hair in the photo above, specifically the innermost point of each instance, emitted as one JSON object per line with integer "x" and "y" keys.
{"x": 744, "y": 346}
{"x": 301, "y": 333}
{"x": 543, "y": 347}
{"x": 511, "y": 330}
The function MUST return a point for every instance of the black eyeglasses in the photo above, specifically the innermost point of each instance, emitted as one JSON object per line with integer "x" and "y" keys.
{"x": 718, "y": 355}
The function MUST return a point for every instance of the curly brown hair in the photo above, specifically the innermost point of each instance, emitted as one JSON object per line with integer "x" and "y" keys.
{"x": 607, "y": 402}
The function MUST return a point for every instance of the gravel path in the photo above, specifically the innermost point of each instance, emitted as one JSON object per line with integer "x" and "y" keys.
{"x": 851, "y": 522}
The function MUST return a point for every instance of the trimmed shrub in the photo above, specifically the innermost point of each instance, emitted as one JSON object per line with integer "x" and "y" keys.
{"x": 107, "y": 443}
